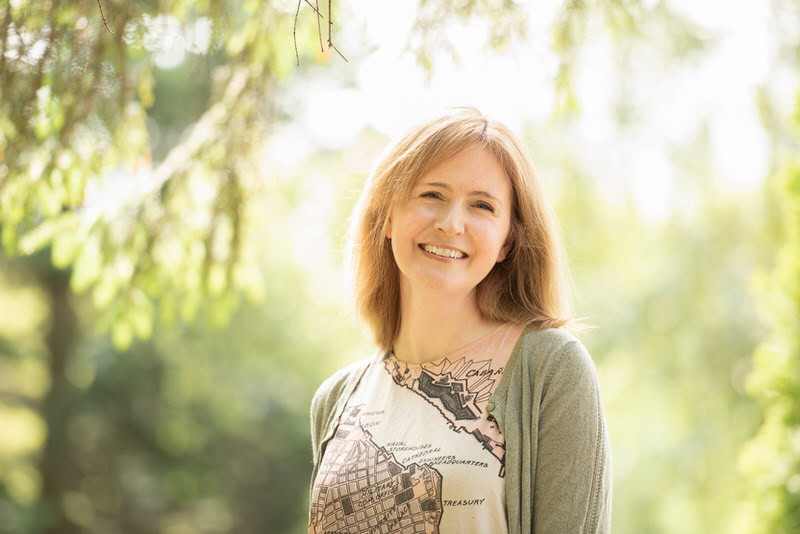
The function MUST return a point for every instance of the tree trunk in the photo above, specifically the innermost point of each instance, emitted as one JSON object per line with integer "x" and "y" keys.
{"x": 58, "y": 469}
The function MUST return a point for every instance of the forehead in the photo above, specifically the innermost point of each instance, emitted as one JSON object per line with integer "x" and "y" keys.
{"x": 475, "y": 167}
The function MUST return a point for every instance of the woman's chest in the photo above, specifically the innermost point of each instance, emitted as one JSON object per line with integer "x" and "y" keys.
{"x": 414, "y": 448}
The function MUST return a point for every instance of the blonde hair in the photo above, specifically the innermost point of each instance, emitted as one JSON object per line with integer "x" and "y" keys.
{"x": 531, "y": 286}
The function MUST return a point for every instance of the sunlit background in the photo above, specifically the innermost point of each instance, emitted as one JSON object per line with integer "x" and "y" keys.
{"x": 174, "y": 198}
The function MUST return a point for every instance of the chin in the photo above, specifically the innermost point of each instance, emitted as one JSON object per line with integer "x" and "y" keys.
{"x": 443, "y": 285}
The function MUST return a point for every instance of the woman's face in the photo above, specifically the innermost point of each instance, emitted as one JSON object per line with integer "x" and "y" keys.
{"x": 462, "y": 206}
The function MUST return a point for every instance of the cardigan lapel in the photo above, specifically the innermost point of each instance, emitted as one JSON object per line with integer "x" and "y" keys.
{"x": 330, "y": 428}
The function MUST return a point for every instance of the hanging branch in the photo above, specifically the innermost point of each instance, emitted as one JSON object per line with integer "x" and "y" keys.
{"x": 294, "y": 31}
{"x": 330, "y": 26}
{"x": 319, "y": 27}
{"x": 104, "y": 18}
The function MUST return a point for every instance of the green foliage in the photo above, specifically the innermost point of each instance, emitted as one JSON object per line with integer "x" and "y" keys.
{"x": 632, "y": 26}
{"x": 75, "y": 150}
{"x": 674, "y": 329}
{"x": 506, "y": 20}
{"x": 771, "y": 459}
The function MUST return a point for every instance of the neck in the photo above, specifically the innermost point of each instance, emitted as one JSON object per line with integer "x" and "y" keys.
{"x": 433, "y": 325}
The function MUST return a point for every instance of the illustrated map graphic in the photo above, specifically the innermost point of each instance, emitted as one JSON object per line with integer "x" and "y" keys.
{"x": 456, "y": 389}
{"x": 365, "y": 490}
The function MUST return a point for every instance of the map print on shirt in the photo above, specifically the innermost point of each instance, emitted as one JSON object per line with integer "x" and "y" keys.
{"x": 366, "y": 490}
{"x": 457, "y": 389}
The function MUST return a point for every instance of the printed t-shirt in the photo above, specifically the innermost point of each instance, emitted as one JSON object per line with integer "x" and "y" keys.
{"x": 416, "y": 449}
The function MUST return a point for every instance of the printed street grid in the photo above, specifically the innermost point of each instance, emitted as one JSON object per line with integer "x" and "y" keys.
{"x": 365, "y": 490}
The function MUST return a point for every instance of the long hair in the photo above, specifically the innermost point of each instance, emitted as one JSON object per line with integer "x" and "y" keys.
{"x": 531, "y": 286}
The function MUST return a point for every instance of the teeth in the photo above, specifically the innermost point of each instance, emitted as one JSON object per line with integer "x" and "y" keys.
{"x": 446, "y": 252}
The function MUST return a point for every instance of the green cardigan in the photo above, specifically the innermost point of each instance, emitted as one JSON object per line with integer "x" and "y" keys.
{"x": 548, "y": 408}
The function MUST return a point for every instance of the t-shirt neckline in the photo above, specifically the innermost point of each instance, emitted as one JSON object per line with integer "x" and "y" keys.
{"x": 391, "y": 355}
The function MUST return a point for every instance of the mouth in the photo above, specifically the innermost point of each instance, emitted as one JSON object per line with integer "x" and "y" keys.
{"x": 422, "y": 246}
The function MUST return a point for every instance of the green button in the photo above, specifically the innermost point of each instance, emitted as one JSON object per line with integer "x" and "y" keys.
{"x": 490, "y": 406}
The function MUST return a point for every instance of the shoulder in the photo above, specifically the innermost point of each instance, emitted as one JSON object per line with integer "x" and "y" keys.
{"x": 332, "y": 387}
{"x": 555, "y": 353}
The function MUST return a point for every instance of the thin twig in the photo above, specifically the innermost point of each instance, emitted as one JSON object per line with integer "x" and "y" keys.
{"x": 3, "y": 37}
{"x": 104, "y": 18}
{"x": 330, "y": 25}
{"x": 294, "y": 31}
{"x": 319, "y": 26}
{"x": 316, "y": 9}
{"x": 337, "y": 51}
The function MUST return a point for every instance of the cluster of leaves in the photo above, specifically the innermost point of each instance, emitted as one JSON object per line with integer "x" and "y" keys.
{"x": 76, "y": 171}
{"x": 771, "y": 459}
{"x": 632, "y": 26}
{"x": 507, "y": 23}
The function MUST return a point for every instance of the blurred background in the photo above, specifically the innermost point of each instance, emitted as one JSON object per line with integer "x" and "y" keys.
{"x": 175, "y": 182}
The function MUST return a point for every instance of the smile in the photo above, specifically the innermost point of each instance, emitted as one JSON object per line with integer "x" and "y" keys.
{"x": 443, "y": 252}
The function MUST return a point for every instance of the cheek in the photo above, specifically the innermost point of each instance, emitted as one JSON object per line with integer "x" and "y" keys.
{"x": 490, "y": 234}
{"x": 421, "y": 210}
{"x": 414, "y": 219}
{"x": 494, "y": 238}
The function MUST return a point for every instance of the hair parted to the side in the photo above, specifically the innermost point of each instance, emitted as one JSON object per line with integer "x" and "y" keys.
{"x": 531, "y": 286}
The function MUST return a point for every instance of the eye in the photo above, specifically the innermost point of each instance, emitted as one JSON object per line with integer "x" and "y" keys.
{"x": 484, "y": 205}
{"x": 431, "y": 194}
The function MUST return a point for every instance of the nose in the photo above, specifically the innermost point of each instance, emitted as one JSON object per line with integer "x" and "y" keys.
{"x": 450, "y": 220}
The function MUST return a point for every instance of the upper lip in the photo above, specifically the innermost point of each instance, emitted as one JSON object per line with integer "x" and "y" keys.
{"x": 445, "y": 246}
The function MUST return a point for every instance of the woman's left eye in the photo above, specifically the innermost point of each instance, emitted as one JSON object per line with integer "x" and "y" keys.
{"x": 485, "y": 206}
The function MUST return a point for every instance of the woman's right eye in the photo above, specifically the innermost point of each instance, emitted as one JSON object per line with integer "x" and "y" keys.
{"x": 431, "y": 194}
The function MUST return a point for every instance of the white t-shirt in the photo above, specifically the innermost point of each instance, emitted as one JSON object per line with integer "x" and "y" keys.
{"x": 416, "y": 449}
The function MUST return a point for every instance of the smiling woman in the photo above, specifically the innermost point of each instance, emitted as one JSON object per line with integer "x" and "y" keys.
{"x": 479, "y": 412}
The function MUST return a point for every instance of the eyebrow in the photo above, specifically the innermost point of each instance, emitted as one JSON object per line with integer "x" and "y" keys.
{"x": 481, "y": 193}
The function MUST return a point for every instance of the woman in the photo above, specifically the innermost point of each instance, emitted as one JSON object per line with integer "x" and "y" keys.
{"x": 479, "y": 412}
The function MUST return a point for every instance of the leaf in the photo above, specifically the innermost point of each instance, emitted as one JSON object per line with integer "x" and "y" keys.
{"x": 121, "y": 335}
{"x": 65, "y": 250}
{"x": 105, "y": 290}
{"x": 142, "y": 321}
{"x": 87, "y": 265}
{"x": 37, "y": 238}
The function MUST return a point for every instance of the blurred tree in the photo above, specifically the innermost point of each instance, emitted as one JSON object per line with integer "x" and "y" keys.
{"x": 75, "y": 164}
{"x": 197, "y": 430}
{"x": 76, "y": 182}
{"x": 771, "y": 459}
{"x": 674, "y": 328}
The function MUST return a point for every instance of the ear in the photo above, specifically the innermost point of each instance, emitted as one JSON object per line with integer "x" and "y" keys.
{"x": 388, "y": 226}
{"x": 504, "y": 250}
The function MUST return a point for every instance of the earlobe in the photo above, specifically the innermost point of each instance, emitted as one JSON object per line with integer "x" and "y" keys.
{"x": 503, "y": 251}
{"x": 508, "y": 244}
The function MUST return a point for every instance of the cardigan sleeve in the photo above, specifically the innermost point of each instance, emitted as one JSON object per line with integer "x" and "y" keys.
{"x": 572, "y": 492}
{"x": 321, "y": 406}
{"x": 318, "y": 418}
